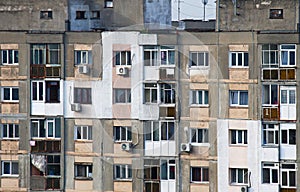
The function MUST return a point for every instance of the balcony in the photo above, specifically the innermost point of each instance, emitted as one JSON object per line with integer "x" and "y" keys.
{"x": 39, "y": 71}
{"x": 279, "y": 74}
{"x": 45, "y": 146}
{"x": 270, "y": 113}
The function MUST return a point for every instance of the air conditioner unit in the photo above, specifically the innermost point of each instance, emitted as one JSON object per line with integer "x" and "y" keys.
{"x": 185, "y": 147}
{"x": 76, "y": 107}
{"x": 126, "y": 146}
{"x": 83, "y": 69}
{"x": 244, "y": 189}
{"x": 121, "y": 70}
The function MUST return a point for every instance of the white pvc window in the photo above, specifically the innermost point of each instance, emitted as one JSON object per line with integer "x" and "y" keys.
{"x": 270, "y": 134}
{"x": 238, "y": 59}
{"x": 122, "y": 172}
{"x": 10, "y": 94}
{"x": 168, "y": 170}
{"x": 10, "y": 57}
{"x": 270, "y": 173}
{"x": 238, "y": 176}
{"x": 9, "y": 168}
{"x": 83, "y": 133}
{"x": 288, "y": 175}
{"x": 238, "y": 137}
{"x": 10, "y": 131}
{"x": 239, "y": 98}
{"x": 288, "y": 55}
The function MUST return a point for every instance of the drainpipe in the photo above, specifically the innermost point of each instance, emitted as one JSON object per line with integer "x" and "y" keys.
{"x": 65, "y": 140}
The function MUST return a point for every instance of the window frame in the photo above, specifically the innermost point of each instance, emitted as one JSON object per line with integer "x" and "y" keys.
{"x": 122, "y": 167}
{"x": 52, "y": 164}
{"x": 11, "y": 169}
{"x": 236, "y": 139}
{"x": 88, "y": 169}
{"x": 288, "y": 171}
{"x": 127, "y": 96}
{"x": 41, "y": 54}
{"x": 270, "y": 52}
{"x": 11, "y": 97}
{"x": 268, "y": 130}
{"x": 14, "y": 57}
{"x": 119, "y": 60}
{"x": 273, "y": 15}
{"x": 108, "y": 4}
{"x": 78, "y": 60}
{"x": 43, "y": 124}
{"x": 85, "y": 95}
{"x": 238, "y": 104}
{"x": 289, "y": 52}
{"x": 272, "y": 93}
{"x": 80, "y": 15}
{"x": 244, "y": 57}
{"x": 167, "y": 94}
{"x": 202, "y": 178}
{"x": 95, "y": 14}
{"x": 15, "y": 131}
{"x": 234, "y": 180}
{"x": 155, "y": 134}
{"x": 152, "y": 88}
{"x": 127, "y": 134}
{"x": 84, "y": 130}
{"x": 46, "y": 14}
{"x": 197, "y": 99}
{"x": 289, "y": 139}
{"x": 198, "y": 64}
{"x": 196, "y": 133}
{"x": 169, "y": 171}
{"x": 153, "y": 56}
{"x": 271, "y": 167}
{"x": 170, "y": 52}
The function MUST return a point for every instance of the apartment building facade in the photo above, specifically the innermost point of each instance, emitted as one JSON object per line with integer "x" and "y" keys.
{"x": 95, "y": 97}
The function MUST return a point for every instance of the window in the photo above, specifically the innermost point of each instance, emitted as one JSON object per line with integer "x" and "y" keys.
{"x": 10, "y": 94}
{"x": 167, "y": 55}
{"x": 83, "y": 133}
{"x": 51, "y": 88}
{"x": 288, "y": 96}
{"x": 10, "y": 131}
{"x": 10, "y": 57}
{"x": 167, "y": 93}
{"x": 199, "y": 136}
{"x": 270, "y": 134}
{"x": 80, "y": 15}
{"x": 150, "y": 55}
{"x": 46, "y": 15}
{"x": 239, "y": 98}
{"x": 83, "y": 95}
{"x": 199, "y": 97}
{"x": 53, "y": 165}
{"x": 157, "y": 131}
{"x": 122, "y": 134}
{"x": 83, "y": 57}
{"x": 10, "y": 168}
{"x": 269, "y": 56}
{"x": 152, "y": 175}
{"x": 238, "y": 137}
{"x": 122, "y": 172}
{"x": 122, "y": 95}
{"x": 83, "y": 171}
{"x": 288, "y": 55}
{"x": 270, "y": 95}
{"x": 167, "y": 170}
{"x": 95, "y": 15}
{"x": 122, "y": 58}
{"x": 238, "y": 59}
{"x": 270, "y": 172}
{"x": 45, "y": 54}
{"x": 150, "y": 93}
{"x": 46, "y": 128}
{"x": 276, "y": 13}
{"x": 288, "y": 175}
{"x": 109, "y": 3}
{"x": 199, "y": 59}
{"x": 238, "y": 176}
{"x": 199, "y": 174}
{"x": 288, "y": 135}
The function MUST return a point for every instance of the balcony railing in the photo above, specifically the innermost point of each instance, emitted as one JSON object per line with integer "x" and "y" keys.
{"x": 42, "y": 71}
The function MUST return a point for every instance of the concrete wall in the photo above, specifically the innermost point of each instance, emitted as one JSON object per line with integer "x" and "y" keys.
{"x": 25, "y": 15}
{"x": 255, "y": 15}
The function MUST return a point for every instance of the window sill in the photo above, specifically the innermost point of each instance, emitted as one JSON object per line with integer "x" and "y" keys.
{"x": 9, "y": 176}
{"x": 238, "y": 145}
{"x": 80, "y": 18}
{"x": 150, "y": 103}
{"x": 120, "y": 142}
{"x": 83, "y": 141}
{"x": 200, "y": 144}
{"x": 10, "y": 102}
{"x": 199, "y": 67}
{"x": 200, "y": 182}
{"x": 239, "y": 67}
{"x": 9, "y": 64}
{"x": 270, "y": 145}
{"x": 45, "y": 139}
{"x": 238, "y": 106}
{"x": 83, "y": 178}
{"x": 199, "y": 106}
{"x": 122, "y": 180}
{"x": 10, "y": 139}
{"x": 239, "y": 184}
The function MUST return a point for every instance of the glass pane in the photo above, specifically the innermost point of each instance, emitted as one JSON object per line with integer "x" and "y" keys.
{"x": 283, "y": 96}
{"x": 90, "y": 133}
{"x": 129, "y": 137}
{"x": 164, "y": 131}
{"x": 233, "y": 137}
{"x": 240, "y": 137}
{"x": 10, "y": 56}
{"x": 171, "y": 131}
{"x": 274, "y": 94}
{"x": 292, "y": 137}
{"x": 292, "y": 178}
{"x": 123, "y": 58}
{"x": 6, "y": 168}
{"x": 274, "y": 176}
{"x": 123, "y": 133}
{"x": 155, "y": 131}
{"x": 11, "y": 131}
{"x": 233, "y": 175}
{"x": 15, "y": 168}
{"x": 266, "y": 175}
{"x": 147, "y": 96}
{"x": 206, "y": 59}
{"x": 41, "y": 90}
{"x": 200, "y": 136}
{"x": 292, "y": 58}
{"x": 206, "y": 97}
{"x": 240, "y": 176}
{"x": 84, "y": 133}
{"x": 201, "y": 59}
{"x": 205, "y": 174}
{"x": 34, "y": 129}
{"x": 246, "y": 59}
{"x": 284, "y": 181}
{"x": 266, "y": 94}
{"x": 193, "y": 135}
{"x": 171, "y": 57}
{"x": 200, "y": 97}
{"x": 284, "y": 57}
{"x": 154, "y": 95}
{"x": 243, "y": 98}
{"x": 147, "y": 58}
{"x": 4, "y": 130}
{"x": 240, "y": 59}
{"x": 15, "y": 94}
{"x": 50, "y": 129}
{"x": 284, "y": 136}
{"x": 147, "y": 130}
{"x": 6, "y": 95}
{"x": 194, "y": 59}
{"x": 172, "y": 172}
{"x": 233, "y": 97}
{"x": 4, "y": 56}
{"x": 164, "y": 170}
{"x": 233, "y": 59}
{"x": 292, "y": 97}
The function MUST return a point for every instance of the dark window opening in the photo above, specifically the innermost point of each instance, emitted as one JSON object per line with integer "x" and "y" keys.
{"x": 276, "y": 13}
{"x": 80, "y": 15}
